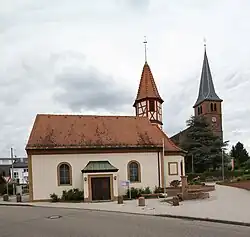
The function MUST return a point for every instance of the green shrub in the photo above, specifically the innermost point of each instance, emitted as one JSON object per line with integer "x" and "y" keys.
{"x": 196, "y": 182}
{"x": 146, "y": 191}
{"x": 72, "y": 195}
{"x": 247, "y": 171}
{"x": 54, "y": 197}
{"x": 246, "y": 177}
{"x": 3, "y": 189}
{"x": 157, "y": 189}
{"x": 229, "y": 174}
{"x": 135, "y": 192}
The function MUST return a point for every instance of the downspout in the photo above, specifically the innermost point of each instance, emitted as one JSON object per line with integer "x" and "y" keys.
{"x": 159, "y": 173}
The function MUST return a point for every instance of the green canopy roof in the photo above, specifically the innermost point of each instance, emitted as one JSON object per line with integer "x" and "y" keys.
{"x": 99, "y": 167}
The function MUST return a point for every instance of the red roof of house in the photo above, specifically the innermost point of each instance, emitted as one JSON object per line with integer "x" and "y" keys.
{"x": 147, "y": 86}
{"x": 85, "y": 131}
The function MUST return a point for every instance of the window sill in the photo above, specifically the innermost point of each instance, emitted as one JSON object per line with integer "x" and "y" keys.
{"x": 64, "y": 184}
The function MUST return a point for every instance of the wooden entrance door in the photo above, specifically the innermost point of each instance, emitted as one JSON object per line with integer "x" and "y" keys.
{"x": 100, "y": 188}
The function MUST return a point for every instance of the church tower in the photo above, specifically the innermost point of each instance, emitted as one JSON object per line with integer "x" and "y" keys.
{"x": 208, "y": 102}
{"x": 148, "y": 102}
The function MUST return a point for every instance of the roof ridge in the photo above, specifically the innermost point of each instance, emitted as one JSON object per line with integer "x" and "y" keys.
{"x": 93, "y": 115}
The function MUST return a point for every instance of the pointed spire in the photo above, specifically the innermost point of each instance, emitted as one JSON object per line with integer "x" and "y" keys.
{"x": 147, "y": 87}
{"x": 207, "y": 90}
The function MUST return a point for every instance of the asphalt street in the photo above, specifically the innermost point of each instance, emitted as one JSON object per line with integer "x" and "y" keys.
{"x": 54, "y": 222}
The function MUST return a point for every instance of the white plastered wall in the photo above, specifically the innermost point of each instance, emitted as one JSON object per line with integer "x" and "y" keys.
{"x": 170, "y": 160}
{"x": 44, "y": 171}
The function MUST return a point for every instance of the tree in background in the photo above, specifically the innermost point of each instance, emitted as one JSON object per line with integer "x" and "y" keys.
{"x": 202, "y": 145}
{"x": 240, "y": 154}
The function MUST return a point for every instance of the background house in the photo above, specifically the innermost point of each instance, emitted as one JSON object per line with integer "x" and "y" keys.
{"x": 20, "y": 171}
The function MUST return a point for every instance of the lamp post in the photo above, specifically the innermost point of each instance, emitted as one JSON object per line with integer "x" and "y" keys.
{"x": 12, "y": 169}
{"x": 222, "y": 165}
{"x": 192, "y": 163}
{"x": 222, "y": 162}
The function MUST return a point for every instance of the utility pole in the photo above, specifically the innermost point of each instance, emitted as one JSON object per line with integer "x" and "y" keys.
{"x": 222, "y": 165}
{"x": 12, "y": 170}
{"x": 164, "y": 182}
{"x": 192, "y": 163}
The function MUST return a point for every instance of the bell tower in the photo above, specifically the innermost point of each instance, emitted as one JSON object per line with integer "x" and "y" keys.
{"x": 148, "y": 102}
{"x": 208, "y": 102}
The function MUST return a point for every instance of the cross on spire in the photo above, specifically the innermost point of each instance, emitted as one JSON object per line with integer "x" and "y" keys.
{"x": 205, "y": 43}
{"x": 145, "y": 47}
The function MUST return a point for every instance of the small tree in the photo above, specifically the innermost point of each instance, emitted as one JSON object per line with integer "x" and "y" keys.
{"x": 240, "y": 154}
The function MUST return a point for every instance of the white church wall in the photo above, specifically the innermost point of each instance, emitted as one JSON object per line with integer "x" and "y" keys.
{"x": 44, "y": 171}
{"x": 172, "y": 168}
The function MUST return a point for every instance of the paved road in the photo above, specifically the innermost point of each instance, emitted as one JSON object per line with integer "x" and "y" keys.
{"x": 33, "y": 222}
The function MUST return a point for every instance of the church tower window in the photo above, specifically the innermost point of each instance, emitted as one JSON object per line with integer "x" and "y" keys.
{"x": 215, "y": 107}
{"x": 151, "y": 106}
{"x": 211, "y": 107}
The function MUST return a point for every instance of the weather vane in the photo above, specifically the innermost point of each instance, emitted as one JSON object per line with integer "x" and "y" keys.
{"x": 145, "y": 44}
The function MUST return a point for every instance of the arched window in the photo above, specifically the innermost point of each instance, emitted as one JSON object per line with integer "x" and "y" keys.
{"x": 215, "y": 107}
{"x": 64, "y": 174}
{"x": 198, "y": 110}
{"x": 134, "y": 171}
{"x": 201, "y": 109}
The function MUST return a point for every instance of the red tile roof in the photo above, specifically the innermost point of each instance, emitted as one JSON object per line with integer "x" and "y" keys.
{"x": 147, "y": 87}
{"x": 85, "y": 131}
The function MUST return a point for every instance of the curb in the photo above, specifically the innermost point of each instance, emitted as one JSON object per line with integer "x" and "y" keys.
{"x": 16, "y": 204}
{"x": 237, "y": 223}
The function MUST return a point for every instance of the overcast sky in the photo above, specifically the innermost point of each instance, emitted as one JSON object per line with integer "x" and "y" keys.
{"x": 86, "y": 57}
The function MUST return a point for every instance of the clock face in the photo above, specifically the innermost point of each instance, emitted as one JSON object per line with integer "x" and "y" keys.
{"x": 213, "y": 119}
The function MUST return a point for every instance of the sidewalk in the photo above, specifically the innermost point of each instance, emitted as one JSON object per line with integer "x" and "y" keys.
{"x": 226, "y": 204}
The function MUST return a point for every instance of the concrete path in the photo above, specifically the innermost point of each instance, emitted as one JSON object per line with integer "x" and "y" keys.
{"x": 225, "y": 204}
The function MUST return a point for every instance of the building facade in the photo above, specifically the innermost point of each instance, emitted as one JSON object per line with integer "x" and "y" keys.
{"x": 98, "y": 154}
{"x": 20, "y": 173}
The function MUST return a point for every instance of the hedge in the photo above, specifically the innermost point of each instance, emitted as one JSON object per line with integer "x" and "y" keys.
{"x": 217, "y": 174}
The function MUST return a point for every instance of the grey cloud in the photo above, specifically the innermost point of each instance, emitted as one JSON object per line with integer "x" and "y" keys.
{"x": 235, "y": 79}
{"x": 139, "y": 3}
{"x": 178, "y": 108}
{"x": 136, "y": 4}
{"x": 91, "y": 90}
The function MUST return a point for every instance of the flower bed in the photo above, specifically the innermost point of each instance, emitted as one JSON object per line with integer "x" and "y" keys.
{"x": 245, "y": 184}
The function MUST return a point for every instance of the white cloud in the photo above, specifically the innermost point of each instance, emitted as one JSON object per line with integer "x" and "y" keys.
{"x": 40, "y": 39}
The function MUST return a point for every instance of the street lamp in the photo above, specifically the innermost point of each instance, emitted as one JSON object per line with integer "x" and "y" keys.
{"x": 222, "y": 162}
